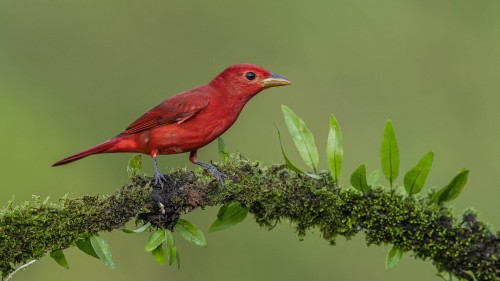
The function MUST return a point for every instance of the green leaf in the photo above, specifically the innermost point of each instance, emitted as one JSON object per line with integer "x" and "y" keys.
{"x": 85, "y": 246}
{"x": 334, "y": 149}
{"x": 287, "y": 161}
{"x": 358, "y": 179}
{"x": 442, "y": 274}
{"x": 389, "y": 153}
{"x": 178, "y": 259}
{"x": 453, "y": 189}
{"x": 171, "y": 249}
{"x": 59, "y": 257}
{"x": 373, "y": 178}
{"x": 159, "y": 254}
{"x": 448, "y": 276}
{"x": 393, "y": 258}
{"x": 229, "y": 215}
{"x": 222, "y": 148}
{"x": 414, "y": 179}
{"x": 468, "y": 276}
{"x": 191, "y": 233}
{"x": 138, "y": 230}
{"x": 155, "y": 239}
{"x": 302, "y": 137}
{"x": 134, "y": 166}
{"x": 103, "y": 250}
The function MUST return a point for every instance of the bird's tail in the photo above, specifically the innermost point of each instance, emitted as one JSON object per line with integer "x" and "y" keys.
{"x": 100, "y": 148}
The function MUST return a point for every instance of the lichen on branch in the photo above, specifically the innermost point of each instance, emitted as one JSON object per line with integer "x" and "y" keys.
{"x": 272, "y": 193}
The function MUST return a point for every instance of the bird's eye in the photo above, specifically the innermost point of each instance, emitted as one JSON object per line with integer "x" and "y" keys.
{"x": 250, "y": 75}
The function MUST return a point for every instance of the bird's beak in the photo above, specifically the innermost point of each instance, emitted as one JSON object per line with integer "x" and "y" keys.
{"x": 275, "y": 80}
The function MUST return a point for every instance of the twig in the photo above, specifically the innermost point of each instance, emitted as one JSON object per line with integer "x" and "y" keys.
{"x": 24, "y": 266}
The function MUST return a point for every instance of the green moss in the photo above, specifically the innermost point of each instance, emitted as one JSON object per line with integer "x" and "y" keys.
{"x": 385, "y": 216}
{"x": 34, "y": 229}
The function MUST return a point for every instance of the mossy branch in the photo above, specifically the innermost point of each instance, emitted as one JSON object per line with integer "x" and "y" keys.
{"x": 272, "y": 193}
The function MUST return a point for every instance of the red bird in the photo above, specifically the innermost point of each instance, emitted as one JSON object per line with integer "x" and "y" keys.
{"x": 190, "y": 120}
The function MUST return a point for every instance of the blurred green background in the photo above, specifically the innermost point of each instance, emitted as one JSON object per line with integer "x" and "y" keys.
{"x": 74, "y": 73}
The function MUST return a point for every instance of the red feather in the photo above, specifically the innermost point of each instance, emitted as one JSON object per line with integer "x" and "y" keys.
{"x": 178, "y": 108}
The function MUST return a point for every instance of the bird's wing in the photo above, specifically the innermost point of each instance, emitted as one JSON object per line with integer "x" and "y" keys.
{"x": 177, "y": 109}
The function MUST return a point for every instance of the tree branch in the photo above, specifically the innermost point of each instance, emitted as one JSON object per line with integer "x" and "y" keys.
{"x": 463, "y": 247}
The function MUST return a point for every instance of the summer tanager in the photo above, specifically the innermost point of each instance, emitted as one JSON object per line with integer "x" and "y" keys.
{"x": 190, "y": 120}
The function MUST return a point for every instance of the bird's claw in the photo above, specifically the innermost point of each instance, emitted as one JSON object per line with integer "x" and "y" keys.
{"x": 161, "y": 179}
{"x": 218, "y": 174}
{"x": 212, "y": 169}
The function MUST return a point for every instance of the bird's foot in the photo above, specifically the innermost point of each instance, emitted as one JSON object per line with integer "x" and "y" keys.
{"x": 212, "y": 169}
{"x": 218, "y": 174}
{"x": 161, "y": 179}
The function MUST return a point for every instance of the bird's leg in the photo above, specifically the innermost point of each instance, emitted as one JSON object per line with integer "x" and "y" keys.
{"x": 159, "y": 177}
{"x": 211, "y": 168}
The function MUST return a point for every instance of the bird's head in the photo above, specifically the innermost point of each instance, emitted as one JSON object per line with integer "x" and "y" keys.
{"x": 246, "y": 80}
